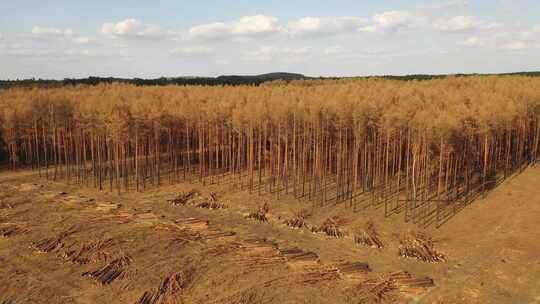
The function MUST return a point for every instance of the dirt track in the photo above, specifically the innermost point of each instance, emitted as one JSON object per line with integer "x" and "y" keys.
{"x": 58, "y": 239}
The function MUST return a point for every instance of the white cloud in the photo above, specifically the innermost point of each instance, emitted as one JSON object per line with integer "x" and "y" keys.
{"x": 268, "y": 53}
{"x": 251, "y": 26}
{"x": 336, "y": 49}
{"x": 536, "y": 28}
{"x": 210, "y": 31}
{"x": 391, "y": 21}
{"x": 461, "y": 24}
{"x": 256, "y": 25}
{"x": 472, "y": 42}
{"x": 516, "y": 46}
{"x": 10, "y": 46}
{"x": 192, "y": 51}
{"x": 132, "y": 28}
{"x": 51, "y": 31}
{"x": 450, "y": 4}
{"x": 84, "y": 40}
{"x": 59, "y": 54}
{"x": 314, "y": 26}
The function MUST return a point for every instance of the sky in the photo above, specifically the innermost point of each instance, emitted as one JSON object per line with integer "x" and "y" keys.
{"x": 58, "y": 39}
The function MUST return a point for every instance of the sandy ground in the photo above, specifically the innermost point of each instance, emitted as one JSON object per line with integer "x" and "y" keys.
{"x": 67, "y": 244}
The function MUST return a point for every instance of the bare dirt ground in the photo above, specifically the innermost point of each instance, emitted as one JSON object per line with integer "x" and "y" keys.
{"x": 67, "y": 244}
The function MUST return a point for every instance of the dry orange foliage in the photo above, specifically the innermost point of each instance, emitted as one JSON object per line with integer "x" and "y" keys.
{"x": 408, "y": 145}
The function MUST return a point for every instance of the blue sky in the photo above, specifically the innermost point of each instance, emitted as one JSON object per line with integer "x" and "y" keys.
{"x": 73, "y": 38}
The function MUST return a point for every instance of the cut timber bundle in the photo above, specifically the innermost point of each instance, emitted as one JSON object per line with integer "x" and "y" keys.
{"x": 4, "y": 205}
{"x": 317, "y": 273}
{"x": 10, "y": 230}
{"x": 193, "y": 224}
{"x": 369, "y": 237}
{"x": 218, "y": 235}
{"x": 224, "y": 249}
{"x": 298, "y": 221}
{"x": 190, "y": 230}
{"x": 420, "y": 246}
{"x": 105, "y": 275}
{"x": 211, "y": 202}
{"x": 405, "y": 282}
{"x": 169, "y": 289}
{"x": 90, "y": 252}
{"x": 259, "y": 253}
{"x": 185, "y": 236}
{"x": 331, "y": 227}
{"x": 355, "y": 270}
{"x": 121, "y": 217}
{"x": 51, "y": 195}
{"x": 184, "y": 198}
{"x": 179, "y": 235}
{"x": 53, "y": 243}
{"x": 106, "y": 206}
{"x": 9, "y": 300}
{"x": 380, "y": 289}
{"x": 259, "y": 246}
{"x": 298, "y": 257}
{"x": 260, "y": 214}
{"x": 47, "y": 245}
{"x": 62, "y": 197}
{"x": 377, "y": 291}
{"x": 146, "y": 218}
{"x": 198, "y": 199}
{"x": 249, "y": 296}
{"x": 29, "y": 187}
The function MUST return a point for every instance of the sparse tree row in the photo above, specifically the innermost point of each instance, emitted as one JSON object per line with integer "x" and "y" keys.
{"x": 424, "y": 148}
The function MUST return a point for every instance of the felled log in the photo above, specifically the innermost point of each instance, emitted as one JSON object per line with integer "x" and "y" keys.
{"x": 331, "y": 227}
{"x": 258, "y": 252}
{"x": 169, "y": 288}
{"x": 299, "y": 220}
{"x": 356, "y": 270}
{"x": 184, "y": 198}
{"x": 320, "y": 273}
{"x": 47, "y": 245}
{"x": 185, "y": 236}
{"x": 110, "y": 272}
{"x": 217, "y": 235}
{"x": 146, "y": 218}
{"x": 149, "y": 297}
{"x": 369, "y": 237}
{"x": 89, "y": 252}
{"x": 299, "y": 257}
{"x": 106, "y": 206}
{"x": 12, "y": 230}
{"x": 405, "y": 282}
{"x": 223, "y": 249}
{"x": 4, "y": 205}
{"x": 211, "y": 204}
{"x": 260, "y": 214}
{"x": 379, "y": 290}
{"x": 296, "y": 222}
{"x": 420, "y": 247}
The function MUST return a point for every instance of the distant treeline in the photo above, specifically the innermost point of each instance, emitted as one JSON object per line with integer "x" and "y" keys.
{"x": 430, "y": 77}
{"x": 228, "y": 80}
